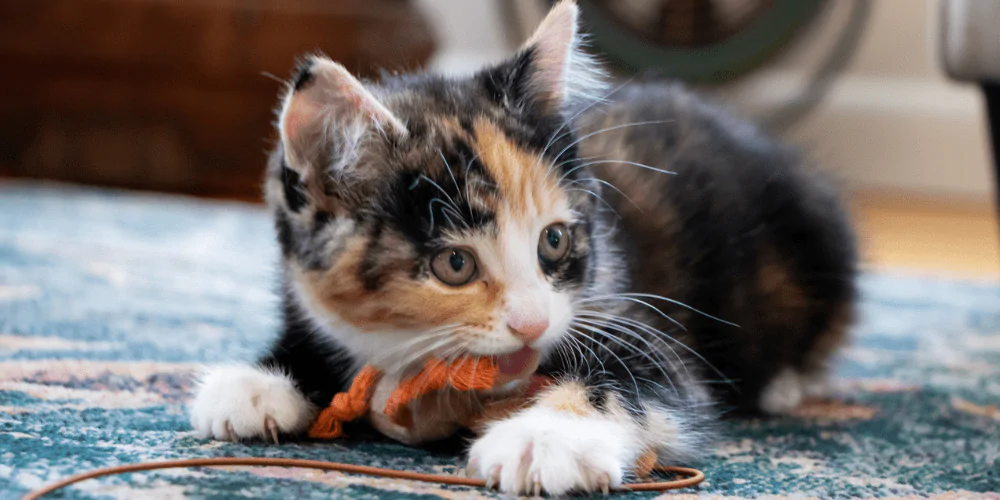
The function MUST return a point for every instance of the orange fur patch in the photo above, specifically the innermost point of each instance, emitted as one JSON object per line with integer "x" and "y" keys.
{"x": 400, "y": 302}
{"x": 528, "y": 187}
{"x": 567, "y": 397}
{"x": 788, "y": 302}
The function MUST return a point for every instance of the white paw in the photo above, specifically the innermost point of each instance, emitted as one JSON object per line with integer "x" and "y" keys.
{"x": 241, "y": 402}
{"x": 783, "y": 394}
{"x": 545, "y": 450}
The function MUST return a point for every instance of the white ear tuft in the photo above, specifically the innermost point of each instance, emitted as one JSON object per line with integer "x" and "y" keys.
{"x": 326, "y": 114}
{"x": 563, "y": 71}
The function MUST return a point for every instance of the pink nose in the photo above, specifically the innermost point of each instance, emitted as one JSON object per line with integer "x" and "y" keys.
{"x": 528, "y": 329}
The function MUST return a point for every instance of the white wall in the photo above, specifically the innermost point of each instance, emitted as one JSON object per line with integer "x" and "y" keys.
{"x": 892, "y": 122}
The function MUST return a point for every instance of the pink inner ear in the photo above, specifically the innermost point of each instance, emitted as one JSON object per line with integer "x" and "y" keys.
{"x": 339, "y": 92}
{"x": 554, "y": 42}
{"x": 294, "y": 120}
{"x": 334, "y": 102}
{"x": 301, "y": 125}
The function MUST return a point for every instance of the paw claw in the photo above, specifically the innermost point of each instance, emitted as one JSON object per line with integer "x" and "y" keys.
{"x": 470, "y": 468}
{"x": 235, "y": 403}
{"x": 272, "y": 428}
{"x": 493, "y": 478}
{"x": 522, "y": 481}
{"x": 604, "y": 482}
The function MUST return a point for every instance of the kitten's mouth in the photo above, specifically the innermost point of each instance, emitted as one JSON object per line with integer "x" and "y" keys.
{"x": 519, "y": 364}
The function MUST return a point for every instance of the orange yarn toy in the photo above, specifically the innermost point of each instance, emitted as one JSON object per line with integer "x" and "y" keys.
{"x": 464, "y": 374}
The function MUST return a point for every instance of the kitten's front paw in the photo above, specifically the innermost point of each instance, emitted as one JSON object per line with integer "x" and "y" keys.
{"x": 241, "y": 402}
{"x": 547, "y": 450}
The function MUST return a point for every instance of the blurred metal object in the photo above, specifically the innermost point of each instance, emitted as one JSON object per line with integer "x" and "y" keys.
{"x": 970, "y": 51}
{"x": 689, "y": 23}
{"x": 970, "y": 40}
{"x": 712, "y": 41}
{"x": 703, "y": 41}
{"x": 991, "y": 91}
{"x": 826, "y": 73}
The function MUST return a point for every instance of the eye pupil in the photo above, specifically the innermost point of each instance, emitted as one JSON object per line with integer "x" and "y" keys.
{"x": 553, "y": 244}
{"x": 554, "y": 236}
{"x": 454, "y": 266}
{"x": 456, "y": 261}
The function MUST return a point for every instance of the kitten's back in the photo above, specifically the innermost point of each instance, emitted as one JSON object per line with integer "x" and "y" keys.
{"x": 740, "y": 229}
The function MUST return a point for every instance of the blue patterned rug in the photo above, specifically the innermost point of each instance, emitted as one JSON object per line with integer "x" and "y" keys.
{"x": 109, "y": 301}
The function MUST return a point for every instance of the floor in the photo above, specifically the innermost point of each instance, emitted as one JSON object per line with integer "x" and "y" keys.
{"x": 110, "y": 303}
{"x": 933, "y": 236}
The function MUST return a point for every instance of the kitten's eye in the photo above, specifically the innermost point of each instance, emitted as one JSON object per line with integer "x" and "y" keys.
{"x": 454, "y": 266}
{"x": 553, "y": 244}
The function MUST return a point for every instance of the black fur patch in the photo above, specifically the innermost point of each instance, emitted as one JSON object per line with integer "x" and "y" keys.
{"x": 291, "y": 183}
{"x": 320, "y": 368}
{"x": 370, "y": 275}
{"x": 286, "y": 236}
{"x": 303, "y": 75}
{"x": 321, "y": 219}
{"x": 421, "y": 208}
{"x": 507, "y": 83}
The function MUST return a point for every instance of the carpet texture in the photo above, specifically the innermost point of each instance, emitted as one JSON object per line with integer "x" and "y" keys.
{"x": 109, "y": 302}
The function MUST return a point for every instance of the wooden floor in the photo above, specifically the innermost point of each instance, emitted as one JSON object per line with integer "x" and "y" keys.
{"x": 943, "y": 237}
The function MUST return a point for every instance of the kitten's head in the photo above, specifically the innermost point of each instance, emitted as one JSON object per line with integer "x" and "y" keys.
{"x": 444, "y": 210}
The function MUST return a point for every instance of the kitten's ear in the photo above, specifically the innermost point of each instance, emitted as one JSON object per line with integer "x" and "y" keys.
{"x": 555, "y": 71}
{"x": 325, "y": 115}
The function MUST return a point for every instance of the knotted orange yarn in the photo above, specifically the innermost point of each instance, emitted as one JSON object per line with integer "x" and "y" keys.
{"x": 463, "y": 374}
{"x": 346, "y": 406}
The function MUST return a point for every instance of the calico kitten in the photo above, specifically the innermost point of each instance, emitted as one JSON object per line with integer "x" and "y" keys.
{"x": 664, "y": 259}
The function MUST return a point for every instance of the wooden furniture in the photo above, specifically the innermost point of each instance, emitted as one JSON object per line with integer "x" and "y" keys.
{"x": 173, "y": 95}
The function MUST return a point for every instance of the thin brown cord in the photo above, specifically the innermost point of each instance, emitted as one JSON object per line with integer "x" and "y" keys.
{"x": 691, "y": 476}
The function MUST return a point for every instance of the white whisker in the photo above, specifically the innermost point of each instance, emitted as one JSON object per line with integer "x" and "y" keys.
{"x": 607, "y": 321}
{"x": 441, "y": 189}
{"x": 568, "y": 121}
{"x": 658, "y": 364}
{"x": 595, "y": 195}
{"x": 669, "y": 300}
{"x": 606, "y": 348}
{"x": 627, "y": 298}
{"x": 622, "y": 162}
{"x": 610, "y": 185}
{"x": 609, "y": 129}
{"x": 658, "y": 333}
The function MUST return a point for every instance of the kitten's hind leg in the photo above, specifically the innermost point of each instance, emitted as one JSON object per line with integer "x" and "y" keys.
{"x": 237, "y": 402}
{"x": 783, "y": 393}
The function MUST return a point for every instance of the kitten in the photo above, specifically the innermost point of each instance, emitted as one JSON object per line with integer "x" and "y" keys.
{"x": 525, "y": 210}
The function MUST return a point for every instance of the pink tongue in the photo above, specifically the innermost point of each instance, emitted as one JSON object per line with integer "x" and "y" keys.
{"x": 518, "y": 362}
